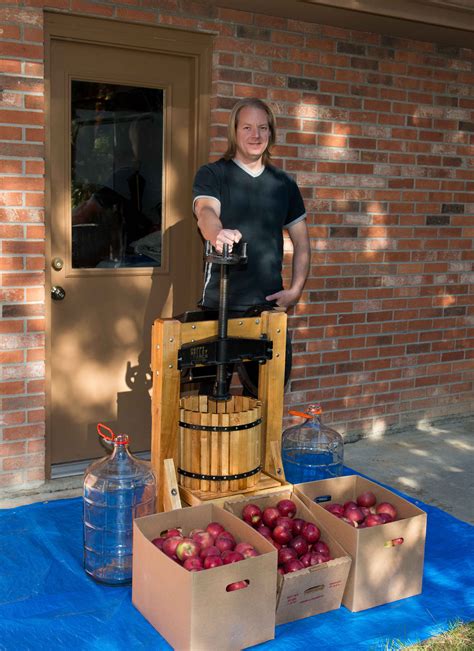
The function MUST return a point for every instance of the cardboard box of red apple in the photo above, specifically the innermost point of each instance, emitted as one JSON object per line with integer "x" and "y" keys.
{"x": 193, "y": 600}
{"x": 312, "y": 566}
{"x": 383, "y": 533}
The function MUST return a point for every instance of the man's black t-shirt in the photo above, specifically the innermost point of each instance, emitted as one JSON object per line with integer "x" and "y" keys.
{"x": 260, "y": 207}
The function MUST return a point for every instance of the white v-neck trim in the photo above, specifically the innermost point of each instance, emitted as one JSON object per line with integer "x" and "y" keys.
{"x": 248, "y": 170}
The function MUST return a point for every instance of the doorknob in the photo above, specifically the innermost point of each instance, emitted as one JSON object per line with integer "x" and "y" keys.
{"x": 57, "y": 293}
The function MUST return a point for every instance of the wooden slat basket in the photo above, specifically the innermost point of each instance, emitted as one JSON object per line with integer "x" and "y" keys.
{"x": 217, "y": 441}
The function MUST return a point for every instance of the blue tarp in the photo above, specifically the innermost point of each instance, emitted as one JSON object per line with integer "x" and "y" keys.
{"x": 47, "y": 602}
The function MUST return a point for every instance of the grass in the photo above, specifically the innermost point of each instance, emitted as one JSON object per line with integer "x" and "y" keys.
{"x": 459, "y": 637}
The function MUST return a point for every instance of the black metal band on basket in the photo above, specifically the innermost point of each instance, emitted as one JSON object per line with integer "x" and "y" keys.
{"x": 241, "y": 475}
{"x": 220, "y": 428}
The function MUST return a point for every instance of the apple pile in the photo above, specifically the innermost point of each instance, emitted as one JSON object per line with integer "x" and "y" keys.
{"x": 297, "y": 541}
{"x": 203, "y": 549}
{"x": 364, "y": 511}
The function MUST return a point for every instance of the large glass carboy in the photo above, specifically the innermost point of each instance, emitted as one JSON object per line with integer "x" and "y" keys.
{"x": 117, "y": 489}
{"x": 311, "y": 450}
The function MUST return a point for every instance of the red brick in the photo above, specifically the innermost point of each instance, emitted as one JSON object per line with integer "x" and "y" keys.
{"x": 22, "y": 51}
{"x": 34, "y": 102}
{"x": 22, "y": 280}
{"x": 36, "y": 474}
{"x": 25, "y": 461}
{"x": 11, "y": 356}
{"x": 36, "y": 416}
{"x": 12, "y": 449}
{"x": 11, "y": 388}
{"x": 34, "y": 199}
{"x": 82, "y": 6}
{"x": 10, "y": 326}
{"x": 11, "y": 263}
{"x": 33, "y": 33}
{"x": 23, "y": 183}
{"x": 10, "y": 66}
{"x": 9, "y": 133}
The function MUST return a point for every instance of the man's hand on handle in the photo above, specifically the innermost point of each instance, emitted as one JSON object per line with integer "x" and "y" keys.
{"x": 227, "y": 236}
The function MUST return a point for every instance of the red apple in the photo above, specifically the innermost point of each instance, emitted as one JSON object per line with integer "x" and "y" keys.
{"x": 285, "y": 554}
{"x": 270, "y": 516}
{"x": 231, "y": 557}
{"x": 173, "y": 532}
{"x": 318, "y": 559}
{"x": 320, "y": 547}
{"x": 187, "y": 548}
{"x": 215, "y": 528}
{"x": 252, "y": 514}
{"x": 386, "y": 507}
{"x": 287, "y": 507}
{"x": 367, "y": 499}
{"x": 203, "y": 539}
{"x": 299, "y": 544}
{"x": 241, "y": 546}
{"x": 335, "y": 509}
{"x": 212, "y": 561}
{"x": 158, "y": 542}
{"x": 355, "y": 515}
{"x": 349, "y": 505}
{"x": 373, "y": 520}
{"x": 306, "y": 559}
{"x": 250, "y": 552}
{"x": 310, "y": 532}
{"x": 225, "y": 541}
{"x": 237, "y": 585}
{"x": 285, "y": 521}
{"x": 209, "y": 551}
{"x": 170, "y": 544}
{"x": 264, "y": 530}
{"x": 293, "y": 565}
{"x": 193, "y": 564}
{"x": 297, "y": 525}
{"x": 282, "y": 534}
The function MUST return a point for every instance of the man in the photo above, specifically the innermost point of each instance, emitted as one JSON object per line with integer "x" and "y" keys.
{"x": 243, "y": 197}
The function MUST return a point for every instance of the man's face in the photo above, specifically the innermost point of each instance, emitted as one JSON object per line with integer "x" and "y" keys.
{"x": 252, "y": 134}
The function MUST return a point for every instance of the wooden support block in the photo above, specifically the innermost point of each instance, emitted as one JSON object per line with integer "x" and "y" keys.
{"x": 165, "y": 397}
{"x": 277, "y": 467}
{"x": 272, "y": 382}
{"x": 171, "y": 498}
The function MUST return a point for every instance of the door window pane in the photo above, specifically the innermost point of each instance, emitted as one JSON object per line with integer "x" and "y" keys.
{"x": 116, "y": 176}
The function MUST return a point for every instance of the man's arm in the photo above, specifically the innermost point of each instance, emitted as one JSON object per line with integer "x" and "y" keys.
{"x": 300, "y": 268}
{"x": 208, "y": 211}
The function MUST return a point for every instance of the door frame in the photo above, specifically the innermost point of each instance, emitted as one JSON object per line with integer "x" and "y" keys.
{"x": 195, "y": 46}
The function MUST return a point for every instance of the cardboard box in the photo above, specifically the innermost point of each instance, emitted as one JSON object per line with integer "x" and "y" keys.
{"x": 192, "y": 610}
{"x": 311, "y": 591}
{"x": 381, "y": 571}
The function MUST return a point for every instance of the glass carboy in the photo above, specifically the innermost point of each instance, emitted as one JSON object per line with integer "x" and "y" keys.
{"x": 311, "y": 450}
{"x": 117, "y": 489}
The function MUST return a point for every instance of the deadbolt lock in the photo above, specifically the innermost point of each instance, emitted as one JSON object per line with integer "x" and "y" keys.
{"x": 57, "y": 264}
{"x": 57, "y": 293}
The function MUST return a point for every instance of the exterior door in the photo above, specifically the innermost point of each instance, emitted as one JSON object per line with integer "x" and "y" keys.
{"x": 123, "y": 243}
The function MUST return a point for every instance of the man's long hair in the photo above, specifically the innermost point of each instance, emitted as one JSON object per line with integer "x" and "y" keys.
{"x": 232, "y": 127}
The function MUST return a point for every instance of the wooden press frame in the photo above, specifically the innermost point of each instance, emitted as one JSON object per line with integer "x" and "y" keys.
{"x": 168, "y": 335}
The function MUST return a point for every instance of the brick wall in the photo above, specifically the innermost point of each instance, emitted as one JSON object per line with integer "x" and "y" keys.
{"x": 378, "y": 132}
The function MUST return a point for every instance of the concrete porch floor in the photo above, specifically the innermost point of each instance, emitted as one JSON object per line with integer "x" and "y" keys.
{"x": 432, "y": 461}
